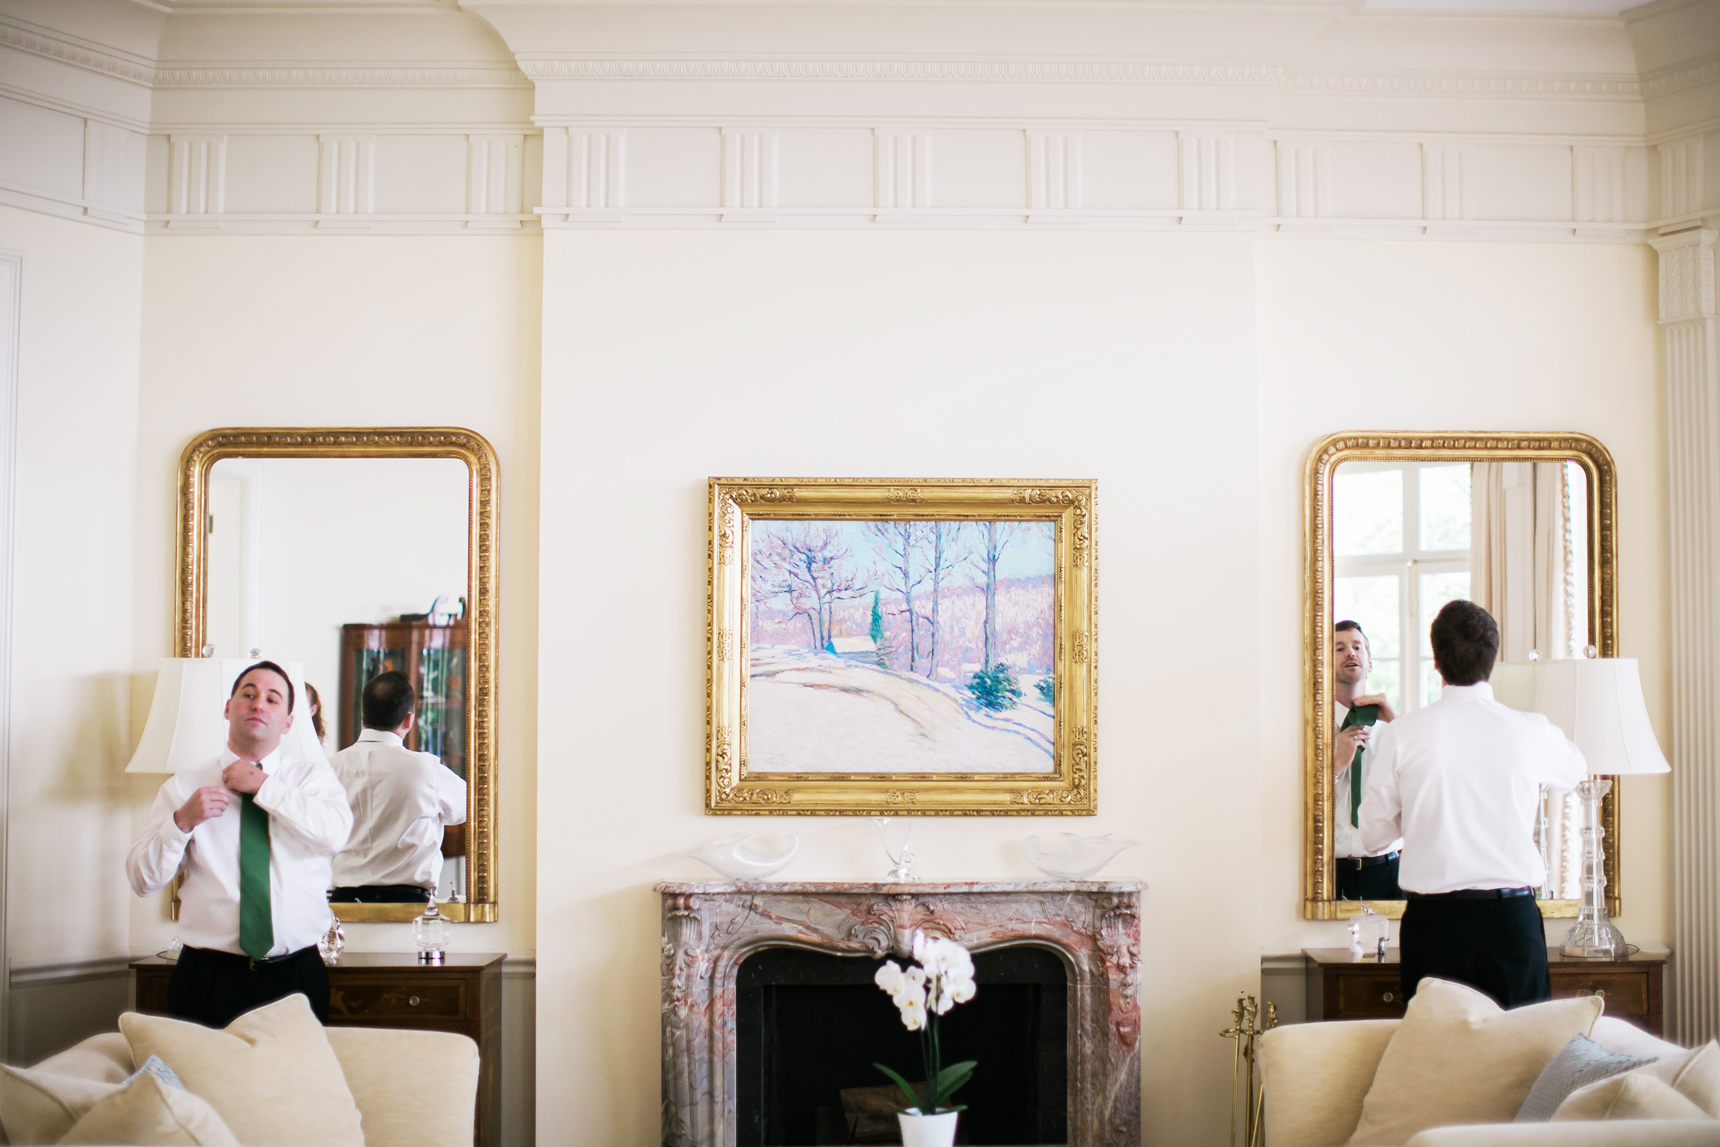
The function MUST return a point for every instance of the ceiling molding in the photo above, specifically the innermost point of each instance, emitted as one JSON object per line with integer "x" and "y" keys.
{"x": 1013, "y": 71}
{"x": 1681, "y": 77}
{"x": 1484, "y": 85}
{"x": 352, "y": 76}
{"x": 25, "y": 38}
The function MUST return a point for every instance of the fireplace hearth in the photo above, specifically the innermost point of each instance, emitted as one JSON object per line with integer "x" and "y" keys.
{"x": 714, "y": 1070}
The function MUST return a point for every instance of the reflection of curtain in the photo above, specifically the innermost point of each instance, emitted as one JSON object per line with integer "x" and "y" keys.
{"x": 1523, "y": 570}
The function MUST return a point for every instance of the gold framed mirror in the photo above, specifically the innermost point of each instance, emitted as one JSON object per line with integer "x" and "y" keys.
{"x": 1403, "y": 544}
{"x": 365, "y": 525}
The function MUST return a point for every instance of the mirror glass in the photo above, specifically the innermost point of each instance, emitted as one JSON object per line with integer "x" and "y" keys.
{"x": 350, "y": 567}
{"x": 1408, "y": 536}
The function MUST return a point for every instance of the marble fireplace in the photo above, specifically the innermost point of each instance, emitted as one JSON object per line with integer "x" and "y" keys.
{"x": 711, "y": 927}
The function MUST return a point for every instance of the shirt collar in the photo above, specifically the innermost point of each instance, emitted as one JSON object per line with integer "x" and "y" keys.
{"x": 268, "y": 763}
{"x": 1481, "y": 690}
{"x": 382, "y": 736}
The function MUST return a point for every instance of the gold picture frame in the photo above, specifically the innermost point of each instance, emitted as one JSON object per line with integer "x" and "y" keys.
{"x": 1319, "y": 883}
{"x": 1065, "y": 548}
{"x": 470, "y": 447}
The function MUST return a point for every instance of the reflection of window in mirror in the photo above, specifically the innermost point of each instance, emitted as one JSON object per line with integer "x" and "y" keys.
{"x": 1410, "y": 536}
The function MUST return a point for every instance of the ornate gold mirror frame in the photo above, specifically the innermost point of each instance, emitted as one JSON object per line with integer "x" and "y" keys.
{"x": 1319, "y": 885}
{"x": 391, "y": 442}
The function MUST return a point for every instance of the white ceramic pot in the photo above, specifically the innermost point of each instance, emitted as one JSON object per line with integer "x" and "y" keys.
{"x": 928, "y": 1130}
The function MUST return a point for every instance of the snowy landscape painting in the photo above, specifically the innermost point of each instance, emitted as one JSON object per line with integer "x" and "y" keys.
{"x": 901, "y": 646}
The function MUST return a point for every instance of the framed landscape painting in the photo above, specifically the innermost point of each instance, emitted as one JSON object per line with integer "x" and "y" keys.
{"x": 915, "y": 646}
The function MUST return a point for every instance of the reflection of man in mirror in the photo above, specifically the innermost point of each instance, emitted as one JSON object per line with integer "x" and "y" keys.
{"x": 401, "y": 800}
{"x": 1363, "y": 874}
{"x": 253, "y": 831}
{"x": 1460, "y": 782}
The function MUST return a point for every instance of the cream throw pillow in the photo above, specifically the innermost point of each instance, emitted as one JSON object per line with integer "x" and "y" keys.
{"x": 149, "y": 1113}
{"x": 1458, "y": 1057}
{"x": 1633, "y": 1095}
{"x": 39, "y": 1106}
{"x": 271, "y": 1074}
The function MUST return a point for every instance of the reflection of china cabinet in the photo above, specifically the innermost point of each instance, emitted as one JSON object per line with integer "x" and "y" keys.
{"x": 433, "y": 657}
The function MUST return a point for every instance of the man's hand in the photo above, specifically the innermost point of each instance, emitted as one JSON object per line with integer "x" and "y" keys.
{"x": 243, "y": 777}
{"x": 205, "y": 804}
{"x": 1344, "y": 748}
{"x": 1386, "y": 711}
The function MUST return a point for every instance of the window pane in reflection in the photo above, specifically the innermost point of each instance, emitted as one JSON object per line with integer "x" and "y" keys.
{"x": 1445, "y": 507}
{"x": 1367, "y": 513}
{"x": 1436, "y": 590}
{"x": 1373, "y": 603}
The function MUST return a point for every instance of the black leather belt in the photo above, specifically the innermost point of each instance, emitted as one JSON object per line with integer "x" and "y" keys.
{"x": 250, "y": 962}
{"x": 1360, "y": 862}
{"x": 1472, "y": 894}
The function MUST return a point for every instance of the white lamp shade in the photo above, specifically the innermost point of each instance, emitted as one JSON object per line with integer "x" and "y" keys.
{"x": 1598, "y": 704}
{"x": 186, "y": 726}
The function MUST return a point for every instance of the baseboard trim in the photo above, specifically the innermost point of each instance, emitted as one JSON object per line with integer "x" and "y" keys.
{"x": 68, "y": 972}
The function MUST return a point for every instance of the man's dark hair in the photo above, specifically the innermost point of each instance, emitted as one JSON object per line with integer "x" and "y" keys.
{"x": 387, "y": 700}
{"x": 272, "y": 668}
{"x": 1465, "y": 642}
{"x": 1357, "y": 626}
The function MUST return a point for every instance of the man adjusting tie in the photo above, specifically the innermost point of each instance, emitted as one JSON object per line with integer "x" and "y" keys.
{"x": 254, "y": 833}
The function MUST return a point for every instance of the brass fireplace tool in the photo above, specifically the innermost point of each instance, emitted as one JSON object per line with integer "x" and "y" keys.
{"x": 1244, "y": 1031}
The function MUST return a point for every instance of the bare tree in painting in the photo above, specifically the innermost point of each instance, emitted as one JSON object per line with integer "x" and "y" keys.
{"x": 994, "y": 537}
{"x": 945, "y": 540}
{"x": 901, "y": 544}
{"x": 810, "y": 567}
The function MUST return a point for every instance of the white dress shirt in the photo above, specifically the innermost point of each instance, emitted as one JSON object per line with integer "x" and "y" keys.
{"x": 308, "y": 821}
{"x": 1460, "y": 782}
{"x": 400, "y": 801}
{"x": 1347, "y": 837}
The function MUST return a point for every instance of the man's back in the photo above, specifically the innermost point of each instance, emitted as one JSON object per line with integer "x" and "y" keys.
{"x": 400, "y": 801}
{"x": 1461, "y": 780}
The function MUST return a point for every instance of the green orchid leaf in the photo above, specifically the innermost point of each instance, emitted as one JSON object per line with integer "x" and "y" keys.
{"x": 907, "y": 1088}
{"x": 954, "y": 1076}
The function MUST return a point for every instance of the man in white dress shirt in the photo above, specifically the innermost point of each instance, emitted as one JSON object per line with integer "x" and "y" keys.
{"x": 1460, "y": 782}
{"x": 401, "y": 801}
{"x": 253, "y": 832}
{"x": 1363, "y": 874}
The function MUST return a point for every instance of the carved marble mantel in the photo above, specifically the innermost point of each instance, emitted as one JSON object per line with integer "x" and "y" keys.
{"x": 710, "y": 927}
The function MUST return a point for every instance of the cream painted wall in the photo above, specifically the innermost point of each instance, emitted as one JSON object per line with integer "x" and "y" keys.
{"x": 293, "y": 331}
{"x": 1459, "y": 336}
{"x": 71, "y": 646}
{"x": 1190, "y": 374}
{"x": 676, "y": 356}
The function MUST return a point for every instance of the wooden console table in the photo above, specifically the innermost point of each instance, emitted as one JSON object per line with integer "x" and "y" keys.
{"x": 1340, "y": 988}
{"x": 393, "y": 990}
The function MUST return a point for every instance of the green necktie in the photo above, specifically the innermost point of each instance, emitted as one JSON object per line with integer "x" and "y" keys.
{"x": 1360, "y": 715}
{"x": 256, "y": 919}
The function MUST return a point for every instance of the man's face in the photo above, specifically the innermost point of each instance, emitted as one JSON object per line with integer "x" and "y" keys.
{"x": 1350, "y": 657}
{"x": 257, "y": 712}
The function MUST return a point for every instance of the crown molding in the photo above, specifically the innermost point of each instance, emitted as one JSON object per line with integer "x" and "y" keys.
{"x": 1681, "y": 77}
{"x": 1483, "y": 85}
{"x": 1012, "y": 71}
{"x": 27, "y": 38}
{"x": 346, "y": 76}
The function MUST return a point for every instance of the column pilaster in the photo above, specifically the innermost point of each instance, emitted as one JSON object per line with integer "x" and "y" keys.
{"x": 1692, "y": 378}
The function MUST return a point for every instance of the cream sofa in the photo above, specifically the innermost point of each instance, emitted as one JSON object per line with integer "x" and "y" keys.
{"x": 412, "y": 1088}
{"x": 1317, "y": 1074}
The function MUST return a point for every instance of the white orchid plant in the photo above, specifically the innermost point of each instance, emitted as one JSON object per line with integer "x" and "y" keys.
{"x": 942, "y": 979}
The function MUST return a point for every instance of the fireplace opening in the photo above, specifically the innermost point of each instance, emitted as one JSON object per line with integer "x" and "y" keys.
{"x": 810, "y": 1025}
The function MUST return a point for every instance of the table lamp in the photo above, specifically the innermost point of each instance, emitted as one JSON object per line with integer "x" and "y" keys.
{"x": 1597, "y": 703}
{"x": 185, "y": 726}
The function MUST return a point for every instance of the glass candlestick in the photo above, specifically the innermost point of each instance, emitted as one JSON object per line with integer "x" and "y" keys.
{"x": 431, "y": 932}
{"x": 903, "y": 860}
{"x": 1594, "y": 935}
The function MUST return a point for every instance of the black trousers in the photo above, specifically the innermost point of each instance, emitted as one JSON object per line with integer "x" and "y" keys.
{"x": 1496, "y": 946}
{"x": 380, "y": 894}
{"x": 215, "y": 988}
{"x": 1376, "y": 882}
